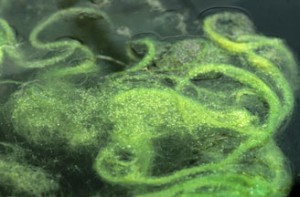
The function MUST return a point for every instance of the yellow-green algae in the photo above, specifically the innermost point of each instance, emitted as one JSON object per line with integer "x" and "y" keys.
{"x": 193, "y": 117}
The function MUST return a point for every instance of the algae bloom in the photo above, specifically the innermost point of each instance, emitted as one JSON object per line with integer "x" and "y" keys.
{"x": 195, "y": 116}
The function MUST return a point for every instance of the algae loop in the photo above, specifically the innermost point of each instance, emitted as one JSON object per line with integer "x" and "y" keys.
{"x": 195, "y": 116}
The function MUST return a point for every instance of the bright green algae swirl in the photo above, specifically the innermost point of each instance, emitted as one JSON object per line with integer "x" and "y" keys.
{"x": 193, "y": 117}
{"x": 146, "y": 117}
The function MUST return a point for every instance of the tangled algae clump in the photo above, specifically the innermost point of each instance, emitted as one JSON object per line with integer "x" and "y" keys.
{"x": 191, "y": 117}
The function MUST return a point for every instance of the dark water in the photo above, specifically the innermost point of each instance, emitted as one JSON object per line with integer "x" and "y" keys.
{"x": 172, "y": 19}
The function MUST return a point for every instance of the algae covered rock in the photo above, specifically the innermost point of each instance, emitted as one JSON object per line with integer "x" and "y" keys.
{"x": 189, "y": 117}
{"x": 209, "y": 129}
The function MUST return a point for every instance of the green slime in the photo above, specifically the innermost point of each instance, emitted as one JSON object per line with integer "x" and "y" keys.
{"x": 192, "y": 117}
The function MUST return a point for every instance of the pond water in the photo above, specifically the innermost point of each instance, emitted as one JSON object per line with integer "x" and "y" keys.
{"x": 149, "y": 98}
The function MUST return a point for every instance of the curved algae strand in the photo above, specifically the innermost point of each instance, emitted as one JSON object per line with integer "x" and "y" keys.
{"x": 7, "y": 40}
{"x": 256, "y": 61}
{"x": 161, "y": 140}
{"x": 254, "y": 167}
{"x": 148, "y": 57}
{"x": 88, "y": 64}
{"x": 245, "y": 77}
{"x": 265, "y": 173}
{"x": 65, "y": 48}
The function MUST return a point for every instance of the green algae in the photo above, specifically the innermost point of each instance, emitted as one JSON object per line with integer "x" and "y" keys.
{"x": 193, "y": 117}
